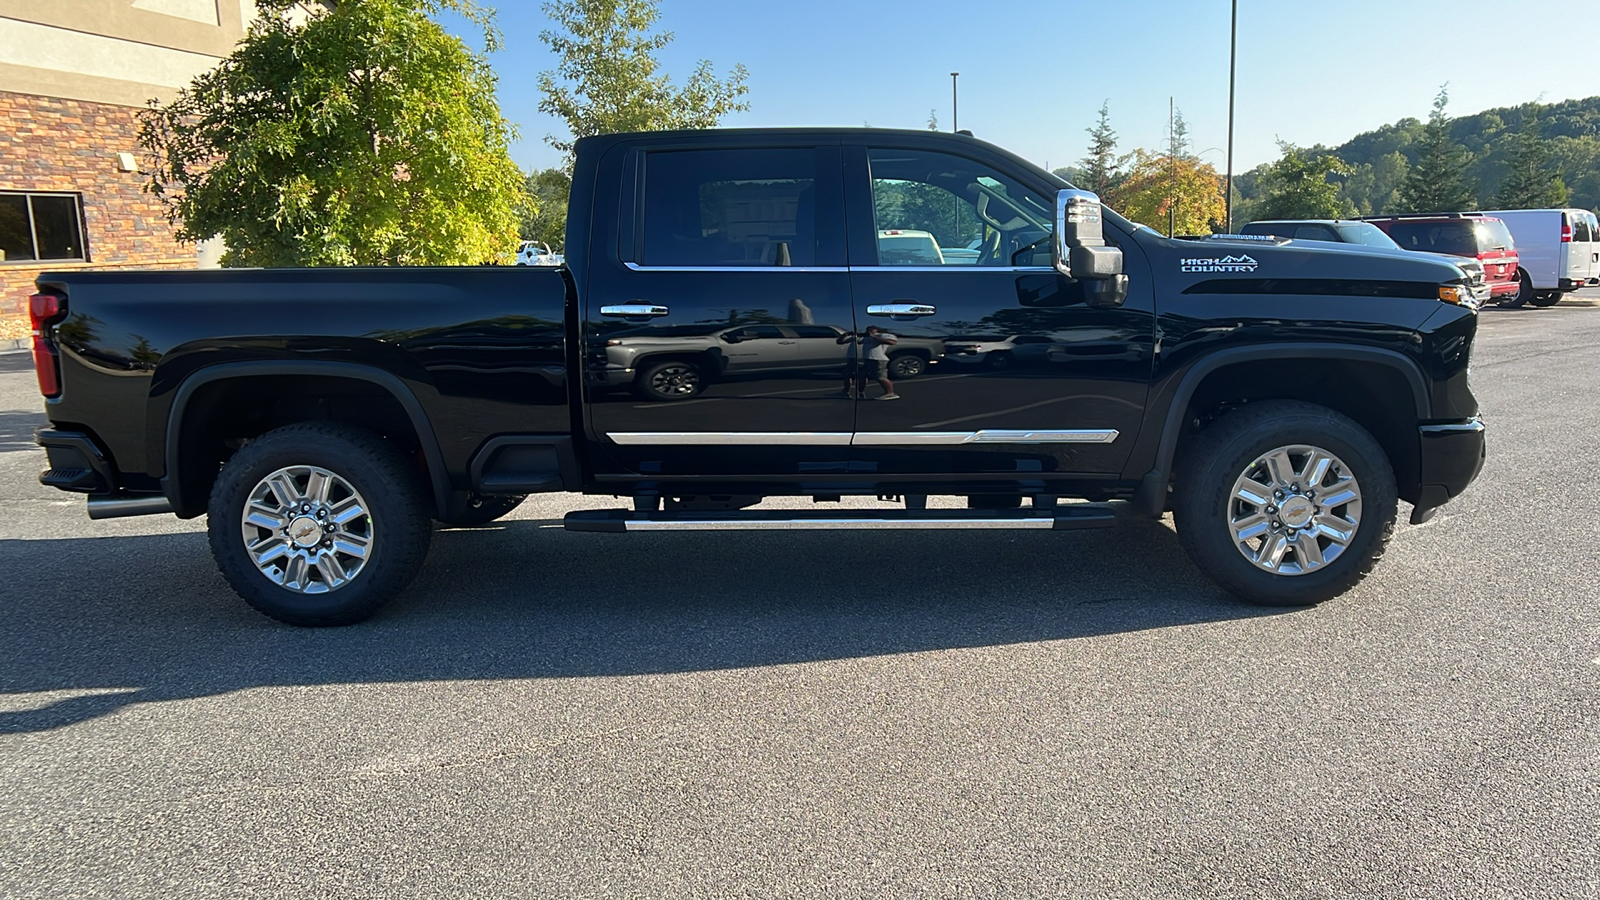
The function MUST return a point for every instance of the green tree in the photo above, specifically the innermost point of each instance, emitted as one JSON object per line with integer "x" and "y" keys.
{"x": 1438, "y": 182}
{"x": 1101, "y": 170}
{"x": 933, "y": 120}
{"x": 362, "y": 134}
{"x": 1159, "y": 190}
{"x": 607, "y": 78}
{"x": 1531, "y": 180}
{"x": 543, "y": 212}
{"x": 1297, "y": 186}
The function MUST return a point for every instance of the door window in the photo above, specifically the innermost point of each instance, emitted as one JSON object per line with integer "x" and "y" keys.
{"x": 730, "y": 207}
{"x": 1580, "y": 229}
{"x": 934, "y": 209}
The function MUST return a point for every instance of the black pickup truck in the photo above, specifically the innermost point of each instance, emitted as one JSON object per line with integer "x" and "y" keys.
{"x": 1278, "y": 398}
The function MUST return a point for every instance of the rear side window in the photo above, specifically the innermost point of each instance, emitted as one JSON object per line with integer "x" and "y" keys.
{"x": 732, "y": 207}
{"x": 1493, "y": 234}
{"x": 1455, "y": 236}
{"x": 1580, "y": 228}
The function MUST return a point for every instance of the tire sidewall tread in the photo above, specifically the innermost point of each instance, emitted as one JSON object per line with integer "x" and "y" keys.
{"x": 1214, "y": 461}
{"x": 376, "y": 469}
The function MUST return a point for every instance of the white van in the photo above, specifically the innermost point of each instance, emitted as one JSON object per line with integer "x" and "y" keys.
{"x": 1558, "y": 248}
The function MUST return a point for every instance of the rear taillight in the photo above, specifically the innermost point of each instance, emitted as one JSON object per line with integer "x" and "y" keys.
{"x": 1566, "y": 234}
{"x": 44, "y": 310}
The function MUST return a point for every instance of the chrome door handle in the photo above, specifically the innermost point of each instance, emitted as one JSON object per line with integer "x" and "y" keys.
{"x": 900, "y": 309}
{"x": 634, "y": 310}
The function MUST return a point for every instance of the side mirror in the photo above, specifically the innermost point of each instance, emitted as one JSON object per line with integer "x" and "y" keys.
{"x": 1080, "y": 250}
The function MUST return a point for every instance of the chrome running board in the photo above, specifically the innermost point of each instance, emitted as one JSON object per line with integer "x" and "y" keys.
{"x": 1062, "y": 518}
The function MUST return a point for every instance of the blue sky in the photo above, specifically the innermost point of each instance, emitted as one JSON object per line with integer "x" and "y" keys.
{"x": 1033, "y": 75}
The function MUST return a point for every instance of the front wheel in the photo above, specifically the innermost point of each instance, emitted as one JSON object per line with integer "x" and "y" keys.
{"x": 318, "y": 523}
{"x": 1285, "y": 503}
{"x": 673, "y": 379}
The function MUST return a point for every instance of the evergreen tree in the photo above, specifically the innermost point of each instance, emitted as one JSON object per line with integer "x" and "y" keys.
{"x": 1178, "y": 146}
{"x": 1438, "y": 182}
{"x": 1531, "y": 180}
{"x": 1101, "y": 170}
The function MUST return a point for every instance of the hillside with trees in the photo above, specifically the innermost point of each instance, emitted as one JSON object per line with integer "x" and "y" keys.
{"x": 1523, "y": 156}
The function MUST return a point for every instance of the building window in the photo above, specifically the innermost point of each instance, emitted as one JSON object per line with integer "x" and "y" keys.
{"x": 41, "y": 227}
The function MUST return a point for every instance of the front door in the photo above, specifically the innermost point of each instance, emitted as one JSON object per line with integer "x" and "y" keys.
{"x": 944, "y": 247}
{"x": 702, "y": 325}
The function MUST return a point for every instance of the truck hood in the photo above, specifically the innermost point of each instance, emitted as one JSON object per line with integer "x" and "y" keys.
{"x": 1221, "y": 258}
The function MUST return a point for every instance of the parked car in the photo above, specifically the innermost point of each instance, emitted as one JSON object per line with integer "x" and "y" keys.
{"x": 1364, "y": 234}
{"x": 322, "y": 418}
{"x": 677, "y": 362}
{"x": 1471, "y": 235}
{"x": 997, "y": 351}
{"x": 1558, "y": 249}
{"x": 536, "y": 253}
{"x": 897, "y": 247}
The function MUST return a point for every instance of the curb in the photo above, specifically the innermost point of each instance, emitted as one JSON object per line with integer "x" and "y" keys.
{"x": 13, "y": 345}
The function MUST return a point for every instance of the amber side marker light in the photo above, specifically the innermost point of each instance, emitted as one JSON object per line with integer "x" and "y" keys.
{"x": 1451, "y": 293}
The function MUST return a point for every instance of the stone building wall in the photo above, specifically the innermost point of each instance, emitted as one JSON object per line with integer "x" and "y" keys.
{"x": 52, "y": 144}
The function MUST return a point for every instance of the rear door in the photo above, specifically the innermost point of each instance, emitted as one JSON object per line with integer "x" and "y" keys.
{"x": 1076, "y": 411}
{"x": 740, "y": 242}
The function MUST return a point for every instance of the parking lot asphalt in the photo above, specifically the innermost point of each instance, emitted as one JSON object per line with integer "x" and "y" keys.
{"x": 879, "y": 714}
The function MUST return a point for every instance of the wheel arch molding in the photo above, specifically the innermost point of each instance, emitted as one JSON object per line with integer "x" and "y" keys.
{"x": 1172, "y": 403}
{"x": 188, "y": 500}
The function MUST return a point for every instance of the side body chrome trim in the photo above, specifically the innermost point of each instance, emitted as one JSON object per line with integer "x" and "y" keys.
{"x": 1025, "y": 270}
{"x": 823, "y": 524}
{"x": 638, "y": 268}
{"x": 865, "y": 438}
{"x": 720, "y": 438}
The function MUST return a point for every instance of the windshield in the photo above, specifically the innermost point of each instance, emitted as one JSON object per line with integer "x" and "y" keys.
{"x": 1367, "y": 234}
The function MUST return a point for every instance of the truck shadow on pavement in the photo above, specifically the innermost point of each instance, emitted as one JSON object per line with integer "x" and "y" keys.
{"x": 16, "y": 430}
{"x": 124, "y": 620}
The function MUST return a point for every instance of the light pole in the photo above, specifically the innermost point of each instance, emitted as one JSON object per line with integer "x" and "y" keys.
{"x": 955, "y": 104}
{"x": 1233, "y": 58}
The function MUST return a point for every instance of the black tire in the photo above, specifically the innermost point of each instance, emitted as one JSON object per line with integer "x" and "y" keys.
{"x": 1000, "y": 359}
{"x": 906, "y": 366}
{"x": 1204, "y": 499}
{"x": 1524, "y": 291}
{"x": 480, "y": 509}
{"x": 1546, "y": 299}
{"x": 397, "y": 526}
{"x": 669, "y": 380}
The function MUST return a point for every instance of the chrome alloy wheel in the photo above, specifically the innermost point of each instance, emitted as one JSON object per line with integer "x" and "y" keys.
{"x": 307, "y": 530}
{"x": 675, "y": 380}
{"x": 1294, "y": 510}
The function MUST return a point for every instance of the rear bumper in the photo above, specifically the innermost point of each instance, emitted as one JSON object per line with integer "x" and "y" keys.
{"x": 1452, "y": 455}
{"x": 77, "y": 463}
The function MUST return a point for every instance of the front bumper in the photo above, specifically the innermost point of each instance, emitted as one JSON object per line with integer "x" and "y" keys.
{"x": 1452, "y": 455}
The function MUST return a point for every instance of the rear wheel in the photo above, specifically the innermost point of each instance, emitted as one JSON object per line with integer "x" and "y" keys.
{"x": 906, "y": 366}
{"x": 1546, "y": 298}
{"x": 318, "y": 523}
{"x": 1524, "y": 291}
{"x": 1285, "y": 503}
